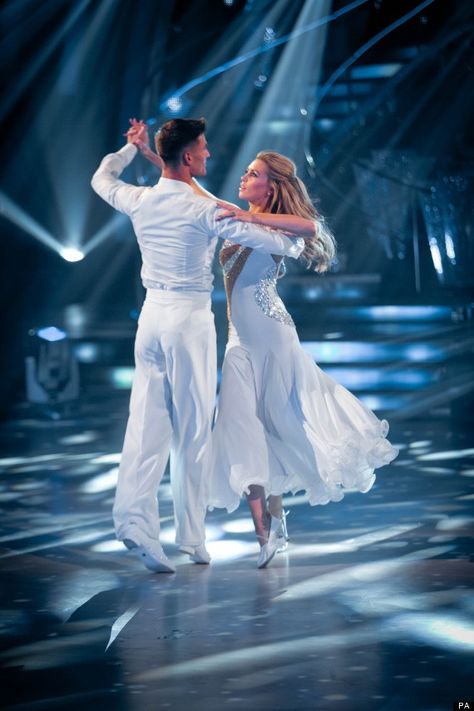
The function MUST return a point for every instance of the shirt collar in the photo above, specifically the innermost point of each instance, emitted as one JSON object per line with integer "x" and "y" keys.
{"x": 174, "y": 186}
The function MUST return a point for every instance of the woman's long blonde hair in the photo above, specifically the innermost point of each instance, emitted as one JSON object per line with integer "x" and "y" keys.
{"x": 289, "y": 196}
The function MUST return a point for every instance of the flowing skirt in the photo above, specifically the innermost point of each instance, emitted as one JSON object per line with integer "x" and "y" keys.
{"x": 284, "y": 424}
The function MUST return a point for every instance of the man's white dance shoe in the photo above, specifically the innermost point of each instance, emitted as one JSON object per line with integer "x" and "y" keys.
{"x": 148, "y": 550}
{"x": 198, "y": 554}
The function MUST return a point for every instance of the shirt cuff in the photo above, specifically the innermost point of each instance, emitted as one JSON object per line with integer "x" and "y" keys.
{"x": 296, "y": 248}
{"x": 128, "y": 152}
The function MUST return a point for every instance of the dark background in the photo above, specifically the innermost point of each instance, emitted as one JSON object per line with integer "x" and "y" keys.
{"x": 382, "y": 144}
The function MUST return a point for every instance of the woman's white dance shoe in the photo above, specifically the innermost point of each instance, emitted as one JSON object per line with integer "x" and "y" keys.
{"x": 283, "y": 537}
{"x": 274, "y": 543}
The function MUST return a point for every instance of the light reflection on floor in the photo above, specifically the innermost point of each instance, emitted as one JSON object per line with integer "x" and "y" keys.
{"x": 368, "y": 610}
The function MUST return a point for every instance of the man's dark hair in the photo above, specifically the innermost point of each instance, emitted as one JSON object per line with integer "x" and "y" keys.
{"x": 175, "y": 135}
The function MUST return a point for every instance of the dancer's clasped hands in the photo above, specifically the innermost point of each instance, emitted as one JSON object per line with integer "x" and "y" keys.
{"x": 138, "y": 135}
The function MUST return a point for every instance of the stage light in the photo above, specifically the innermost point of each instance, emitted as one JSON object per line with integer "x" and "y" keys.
{"x": 51, "y": 334}
{"x": 174, "y": 104}
{"x": 75, "y": 319}
{"x": 122, "y": 378}
{"x": 283, "y": 127}
{"x": 51, "y": 370}
{"x": 450, "y": 251}
{"x": 267, "y": 46}
{"x": 436, "y": 256}
{"x": 376, "y": 71}
{"x": 269, "y": 35}
{"x": 357, "y": 351}
{"x": 405, "y": 313}
{"x": 87, "y": 352}
{"x": 71, "y": 254}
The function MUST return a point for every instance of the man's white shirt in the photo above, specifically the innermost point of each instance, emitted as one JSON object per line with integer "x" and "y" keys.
{"x": 177, "y": 229}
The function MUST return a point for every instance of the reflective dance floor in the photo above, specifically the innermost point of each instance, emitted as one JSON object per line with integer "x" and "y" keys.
{"x": 370, "y": 608}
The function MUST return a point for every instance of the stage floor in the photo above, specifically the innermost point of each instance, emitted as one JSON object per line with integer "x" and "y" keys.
{"x": 370, "y": 609}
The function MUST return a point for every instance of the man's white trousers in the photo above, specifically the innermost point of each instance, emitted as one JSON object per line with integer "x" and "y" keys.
{"x": 171, "y": 408}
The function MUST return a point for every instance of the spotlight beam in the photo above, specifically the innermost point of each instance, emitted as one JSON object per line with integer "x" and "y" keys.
{"x": 282, "y": 91}
{"x": 104, "y": 233}
{"x": 35, "y": 66}
{"x": 222, "y": 68}
{"x": 15, "y": 214}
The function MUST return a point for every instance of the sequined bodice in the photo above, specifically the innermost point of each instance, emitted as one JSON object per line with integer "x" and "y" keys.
{"x": 258, "y": 280}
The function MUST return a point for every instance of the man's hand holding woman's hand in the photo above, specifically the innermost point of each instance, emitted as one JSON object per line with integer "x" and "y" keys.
{"x": 138, "y": 135}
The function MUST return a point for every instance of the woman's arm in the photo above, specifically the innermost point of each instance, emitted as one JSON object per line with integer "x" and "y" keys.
{"x": 154, "y": 158}
{"x": 288, "y": 223}
{"x": 147, "y": 153}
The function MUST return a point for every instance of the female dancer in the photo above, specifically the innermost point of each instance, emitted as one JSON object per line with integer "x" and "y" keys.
{"x": 282, "y": 424}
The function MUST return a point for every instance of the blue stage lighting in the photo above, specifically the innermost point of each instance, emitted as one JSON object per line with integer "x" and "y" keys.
{"x": 51, "y": 370}
{"x": 450, "y": 250}
{"x": 51, "y": 334}
{"x": 86, "y": 352}
{"x": 122, "y": 378}
{"x": 71, "y": 254}
{"x": 436, "y": 256}
{"x": 174, "y": 104}
{"x": 269, "y": 35}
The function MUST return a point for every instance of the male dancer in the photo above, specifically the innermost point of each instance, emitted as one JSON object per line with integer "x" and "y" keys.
{"x": 173, "y": 391}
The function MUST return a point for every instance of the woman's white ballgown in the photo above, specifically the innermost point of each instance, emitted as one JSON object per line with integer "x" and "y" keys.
{"x": 282, "y": 422}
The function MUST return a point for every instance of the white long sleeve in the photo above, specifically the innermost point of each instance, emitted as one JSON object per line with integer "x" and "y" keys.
{"x": 260, "y": 238}
{"x": 105, "y": 181}
{"x": 176, "y": 229}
